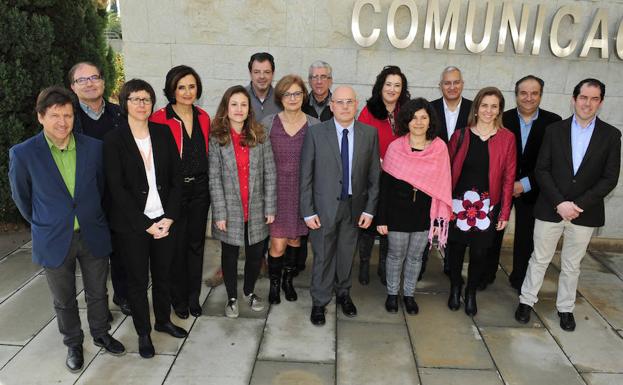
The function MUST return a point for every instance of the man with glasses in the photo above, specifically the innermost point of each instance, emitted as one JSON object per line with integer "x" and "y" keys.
{"x": 338, "y": 196}
{"x": 57, "y": 182}
{"x": 320, "y": 81}
{"x": 261, "y": 70}
{"x": 452, "y": 108}
{"x": 95, "y": 117}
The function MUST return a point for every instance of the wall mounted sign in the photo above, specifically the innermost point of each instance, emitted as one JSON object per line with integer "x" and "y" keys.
{"x": 441, "y": 35}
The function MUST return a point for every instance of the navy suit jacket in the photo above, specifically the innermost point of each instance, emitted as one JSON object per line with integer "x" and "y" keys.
{"x": 42, "y": 198}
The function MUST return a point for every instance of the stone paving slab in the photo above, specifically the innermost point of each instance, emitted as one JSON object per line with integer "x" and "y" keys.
{"x": 593, "y": 346}
{"x": 603, "y": 378}
{"x": 12, "y": 240}
{"x": 371, "y": 353}
{"x": 529, "y": 356}
{"x": 220, "y": 349}
{"x": 15, "y": 270}
{"x": 7, "y": 352}
{"x": 26, "y": 312}
{"x": 130, "y": 369}
{"x": 603, "y": 290}
{"x": 290, "y": 336}
{"x": 613, "y": 261}
{"x": 215, "y": 305}
{"x": 497, "y": 304}
{"x": 292, "y": 373}
{"x": 434, "y": 280}
{"x": 431, "y": 376}
{"x": 370, "y": 302}
{"x": 435, "y": 329}
{"x": 550, "y": 282}
{"x": 47, "y": 353}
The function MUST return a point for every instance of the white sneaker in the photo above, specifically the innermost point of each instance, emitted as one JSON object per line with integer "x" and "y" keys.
{"x": 255, "y": 302}
{"x": 231, "y": 308}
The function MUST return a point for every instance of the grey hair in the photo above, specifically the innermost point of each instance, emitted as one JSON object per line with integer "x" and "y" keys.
{"x": 320, "y": 64}
{"x": 450, "y": 69}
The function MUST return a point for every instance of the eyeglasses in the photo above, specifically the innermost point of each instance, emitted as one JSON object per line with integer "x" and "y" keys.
{"x": 344, "y": 102}
{"x": 455, "y": 83}
{"x": 92, "y": 78}
{"x": 319, "y": 77}
{"x": 294, "y": 95}
{"x": 138, "y": 101}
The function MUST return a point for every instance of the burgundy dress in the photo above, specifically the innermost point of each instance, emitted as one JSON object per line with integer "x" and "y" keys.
{"x": 287, "y": 151}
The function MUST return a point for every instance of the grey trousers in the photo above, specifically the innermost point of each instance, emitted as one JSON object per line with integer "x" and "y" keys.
{"x": 334, "y": 246}
{"x": 62, "y": 284}
{"x": 404, "y": 249}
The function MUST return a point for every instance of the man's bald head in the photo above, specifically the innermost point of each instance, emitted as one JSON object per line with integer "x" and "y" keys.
{"x": 344, "y": 105}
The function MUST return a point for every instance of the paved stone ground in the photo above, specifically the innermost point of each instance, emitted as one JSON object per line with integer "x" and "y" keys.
{"x": 279, "y": 346}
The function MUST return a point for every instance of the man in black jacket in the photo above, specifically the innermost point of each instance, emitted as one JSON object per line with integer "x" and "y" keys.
{"x": 578, "y": 165}
{"x": 96, "y": 117}
{"x": 527, "y": 122}
{"x": 320, "y": 82}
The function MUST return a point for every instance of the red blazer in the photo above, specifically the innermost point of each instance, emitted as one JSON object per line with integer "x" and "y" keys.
{"x": 383, "y": 128}
{"x": 502, "y": 166}
{"x": 163, "y": 116}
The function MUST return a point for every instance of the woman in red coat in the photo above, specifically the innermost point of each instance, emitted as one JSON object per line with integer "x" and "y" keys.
{"x": 483, "y": 158}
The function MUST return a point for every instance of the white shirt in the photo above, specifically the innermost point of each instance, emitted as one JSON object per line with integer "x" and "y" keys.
{"x": 451, "y": 116}
{"x": 153, "y": 207}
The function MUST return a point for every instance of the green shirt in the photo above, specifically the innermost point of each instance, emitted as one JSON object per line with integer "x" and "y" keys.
{"x": 66, "y": 162}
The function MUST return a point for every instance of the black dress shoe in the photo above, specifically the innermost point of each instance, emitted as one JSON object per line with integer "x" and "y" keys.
{"x": 75, "y": 358}
{"x": 181, "y": 313}
{"x": 317, "y": 315}
{"x": 145, "y": 347}
{"x": 567, "y": 321}
{"x": 410, "y": 305}
{"x": 196, "y": 311}
{"x": 522, "y": 314}
{"x": 391, "y": 303}
{"x": 454, "y": 301}
{"x": 470, "y": 303}
{"x": 171, "y": 329}
{"x": 123, "y": 304}
{"x": 348, "y": 307}
{"x": 111, "y": 345}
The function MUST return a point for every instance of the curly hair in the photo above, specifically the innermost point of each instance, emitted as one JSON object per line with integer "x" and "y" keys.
{"x": 406, "y": 115}
{"x": 375, "y": 103}
{"x": 252, "y": 131}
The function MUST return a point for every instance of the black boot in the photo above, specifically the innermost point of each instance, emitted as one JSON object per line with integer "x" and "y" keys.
{"x": 470, "y": 302}
{"x": 424, "y": 262}
{"x": 288, "y": 273}
{"x": 301, "y": 255}
{"x": 454, "y": 301}
{"x": 275, "y": 266}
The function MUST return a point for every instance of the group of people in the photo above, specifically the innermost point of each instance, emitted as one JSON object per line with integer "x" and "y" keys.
{"x": 280, "y": 166}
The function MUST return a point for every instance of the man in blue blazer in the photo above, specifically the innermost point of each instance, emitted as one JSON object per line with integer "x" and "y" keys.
{"x": 57, "y": 182}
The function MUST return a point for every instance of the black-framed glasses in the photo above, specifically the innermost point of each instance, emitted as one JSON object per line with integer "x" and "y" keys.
{"x": 295, "y": 95}
{"x": 85, "y": 80}
{"x": 138, "y": 101}
{"x": 320, "y": 77}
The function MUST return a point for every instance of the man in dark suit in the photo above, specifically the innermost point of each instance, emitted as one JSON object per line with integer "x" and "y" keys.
{"x": 61, "y": 199}
{"x": 527, "y": 122}
{"x": 578, "y": 165}
{"x": 95, "y": 118}
{"x": 339, "y": 192}
{"x": 452, "y": 108}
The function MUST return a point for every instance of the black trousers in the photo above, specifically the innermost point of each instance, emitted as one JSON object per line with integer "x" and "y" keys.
{"x": 142, "y": 254}
{"x": 187, "y": 265}
{"x": 476, "y": 268}
{"x": 366, "y": 243}
{"x": 117, "y": 270}
{"x": 523, "y": 244}
{"x": 493, "y": 258}
{"x": 229, "y": 262}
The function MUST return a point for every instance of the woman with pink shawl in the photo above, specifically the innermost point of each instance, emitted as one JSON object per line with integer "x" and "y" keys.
{"x": 415, "y": 198}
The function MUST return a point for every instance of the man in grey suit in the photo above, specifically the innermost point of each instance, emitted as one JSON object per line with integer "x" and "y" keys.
{"x": 339, "y": 192}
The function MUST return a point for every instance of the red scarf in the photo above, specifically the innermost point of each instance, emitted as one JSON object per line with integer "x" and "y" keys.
{"x": 428, "y": 171}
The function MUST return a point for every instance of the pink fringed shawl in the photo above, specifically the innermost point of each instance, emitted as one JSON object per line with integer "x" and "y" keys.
{"x": 428, "y": 171}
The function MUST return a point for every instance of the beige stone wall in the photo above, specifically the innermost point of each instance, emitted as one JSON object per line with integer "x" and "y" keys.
{"x": 216, "y": 37}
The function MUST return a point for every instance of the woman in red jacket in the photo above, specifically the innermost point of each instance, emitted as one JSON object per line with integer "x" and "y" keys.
{"x": 483, "y": 158}
{"x": 390, "y": 91}
{"x": 190, "y": 126}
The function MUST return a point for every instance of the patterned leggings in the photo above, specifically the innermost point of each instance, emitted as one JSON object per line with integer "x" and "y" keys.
{"x": 404, "y": 248}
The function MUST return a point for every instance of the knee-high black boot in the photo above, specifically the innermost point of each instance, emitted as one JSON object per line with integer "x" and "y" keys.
{"x": 470, "y": 302}
{"x": 275, "y": 266}
{"x": 288, "y": 273}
